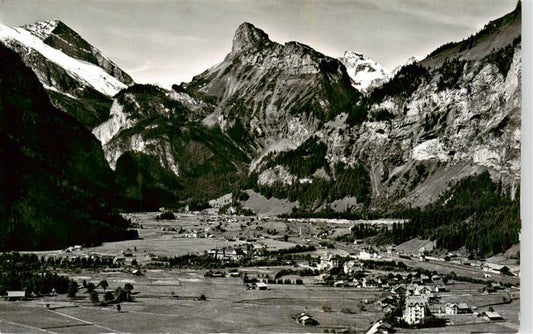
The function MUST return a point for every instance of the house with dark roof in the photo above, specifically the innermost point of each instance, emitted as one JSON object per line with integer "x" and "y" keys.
{"x": 305, "y": 319}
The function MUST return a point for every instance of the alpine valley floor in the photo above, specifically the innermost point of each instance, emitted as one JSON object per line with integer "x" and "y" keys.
{"x": 168, "y": 295}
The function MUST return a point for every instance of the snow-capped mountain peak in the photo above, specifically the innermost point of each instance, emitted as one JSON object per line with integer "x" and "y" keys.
{"x": 365, "y": 73}
{"x": 42, "y": 29}
{"x": 90, "y": 74}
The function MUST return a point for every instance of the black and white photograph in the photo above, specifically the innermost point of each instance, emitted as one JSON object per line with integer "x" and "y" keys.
{"x": 263, "y": 166}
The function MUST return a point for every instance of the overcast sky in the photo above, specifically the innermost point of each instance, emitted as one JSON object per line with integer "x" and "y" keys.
{"x": 168, "y": 42}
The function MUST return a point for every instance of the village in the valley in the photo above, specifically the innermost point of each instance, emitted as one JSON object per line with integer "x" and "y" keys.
{"x": 226, "y": 273}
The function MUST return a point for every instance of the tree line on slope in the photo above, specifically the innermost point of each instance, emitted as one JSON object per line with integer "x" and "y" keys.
{"x": 476, "y": 213}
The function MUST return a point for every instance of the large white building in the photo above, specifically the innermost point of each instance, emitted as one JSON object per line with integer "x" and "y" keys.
{"x": 415, "y": 309}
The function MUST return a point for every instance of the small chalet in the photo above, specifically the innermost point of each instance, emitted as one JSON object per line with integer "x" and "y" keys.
{"x": 261, "y": 286}
{"x": 496, "y": 268}
{"x": 423, "y": 290}
{"x": 496, "y": 286}
{"x": 350, "y": 266}
{"x": 460, "y": 308}
{"x": 305, "y": 319}
{"x": 368, "y": 253}
{"x": 492, "y": 316}
{"x": 440, "y": 288}
{"x": 369, "y": 283}
{"x": 400, "y": 290}
{"x": 328, "y": 261}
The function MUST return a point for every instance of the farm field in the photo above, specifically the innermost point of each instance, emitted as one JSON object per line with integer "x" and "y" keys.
{"x": 168, "y": 300}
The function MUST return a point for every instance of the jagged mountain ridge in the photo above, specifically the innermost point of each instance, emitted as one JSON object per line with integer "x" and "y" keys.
{"x": 411, "y": 135}
{"x": 414, "y": 139}
{"x": 78, "y": 78}
{"x": 58, "y": 35}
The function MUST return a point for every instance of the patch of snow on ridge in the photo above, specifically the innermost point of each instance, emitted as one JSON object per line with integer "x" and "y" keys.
{"x": 431, "y": 149}
{"x": 55, "y": 90}
{"x": 90, "y": 74}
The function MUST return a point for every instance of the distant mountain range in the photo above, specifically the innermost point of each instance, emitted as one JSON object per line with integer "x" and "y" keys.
{"x": 291, "y": 122}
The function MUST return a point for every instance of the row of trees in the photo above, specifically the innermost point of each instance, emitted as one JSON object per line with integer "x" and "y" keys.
{"x": 120, "y": 294}
{"x": 26, "y": 272}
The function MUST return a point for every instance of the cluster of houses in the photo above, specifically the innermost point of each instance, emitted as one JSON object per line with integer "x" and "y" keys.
{"x": 125, "y": 258}
{"x": 228, "y": 253}
{"x": 417, "y": 304}
{"x": 236, "y": 252}
{"x": 417, "y": 289}
{"x": 199, "y": 235}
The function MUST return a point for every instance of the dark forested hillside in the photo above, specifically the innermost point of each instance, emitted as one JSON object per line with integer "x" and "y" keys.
{"x": 55, "y": 186}
{"x": 477, "y": 213}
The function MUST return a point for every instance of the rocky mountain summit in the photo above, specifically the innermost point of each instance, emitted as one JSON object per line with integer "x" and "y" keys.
{"x": 273, "y": 91}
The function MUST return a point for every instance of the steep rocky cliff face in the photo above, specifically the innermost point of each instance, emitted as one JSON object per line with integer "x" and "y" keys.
{"x": 55, "y": 186}
{"x": 313, "y": 138}
{"x": 162, "y": 153}
{"x": 453, "y": 114}
{"x": 78, "y": 78}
